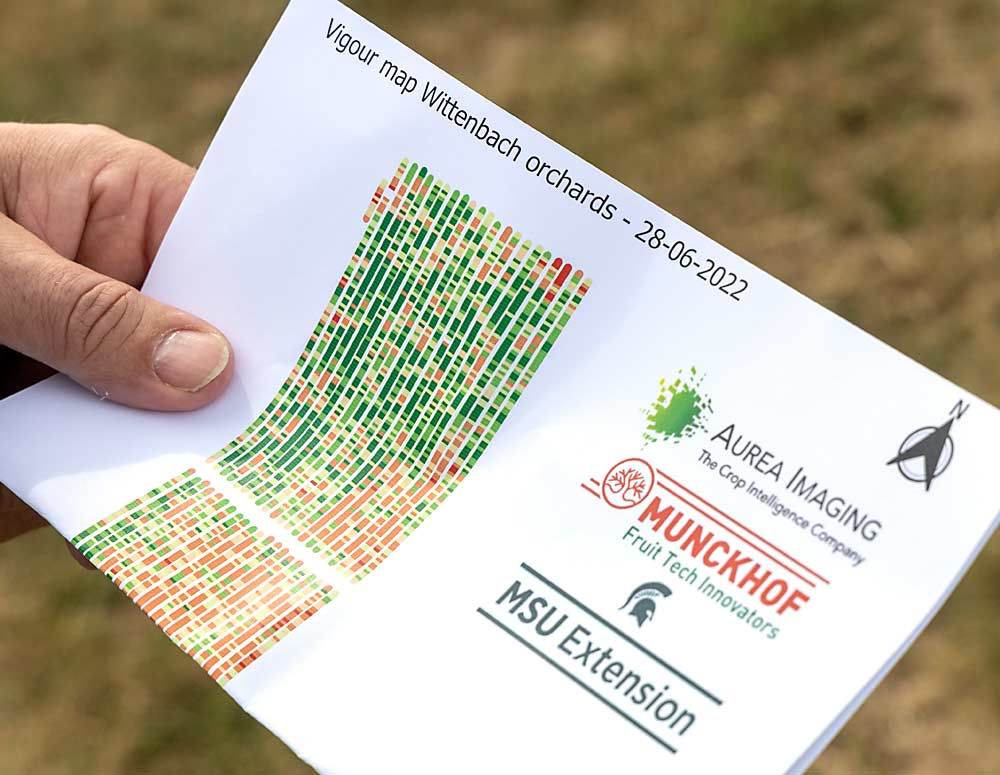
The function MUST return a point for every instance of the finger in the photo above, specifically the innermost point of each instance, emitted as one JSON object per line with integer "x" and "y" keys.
{"x": 132, "y": 201}
{"x": 103, "y": 333}
{"x": 91, "y": 194}
{"x": 15, "y": 516}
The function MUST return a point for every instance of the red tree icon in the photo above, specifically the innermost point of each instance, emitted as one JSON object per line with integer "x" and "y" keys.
{"x": 628, "y": 483}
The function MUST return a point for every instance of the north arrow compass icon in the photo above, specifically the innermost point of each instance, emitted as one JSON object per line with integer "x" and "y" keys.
{"x": 927, "y": 452}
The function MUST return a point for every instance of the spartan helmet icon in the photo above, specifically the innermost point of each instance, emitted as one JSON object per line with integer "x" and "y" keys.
{"x": 643, "y": 600}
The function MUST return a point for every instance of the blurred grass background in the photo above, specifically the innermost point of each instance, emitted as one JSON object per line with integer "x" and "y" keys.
{"x": 851, "y": 148}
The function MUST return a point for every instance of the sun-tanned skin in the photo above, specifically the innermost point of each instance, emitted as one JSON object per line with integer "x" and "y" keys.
{"x": 83, "y": 211}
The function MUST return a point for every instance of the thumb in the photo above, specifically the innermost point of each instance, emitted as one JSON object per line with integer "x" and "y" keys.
{"x": 103, "y": 333}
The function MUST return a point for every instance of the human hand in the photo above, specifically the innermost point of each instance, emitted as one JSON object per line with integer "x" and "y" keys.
{"x": 82, "y": 213}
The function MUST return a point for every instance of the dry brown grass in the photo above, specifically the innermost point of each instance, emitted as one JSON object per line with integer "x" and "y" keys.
{"x": 851, "y": 148}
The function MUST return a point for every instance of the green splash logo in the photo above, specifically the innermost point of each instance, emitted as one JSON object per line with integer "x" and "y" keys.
{"x": 680, "y": 410}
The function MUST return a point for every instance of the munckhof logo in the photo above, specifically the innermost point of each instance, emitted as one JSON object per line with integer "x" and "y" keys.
{"x": 680, "y": 410}
{"x": 627, "y": 483}
{"x": 642, "y": 602}
{"x": 927, "y": 453}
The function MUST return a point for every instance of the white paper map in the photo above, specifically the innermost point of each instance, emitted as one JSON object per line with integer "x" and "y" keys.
{"x": 518, "y": 472}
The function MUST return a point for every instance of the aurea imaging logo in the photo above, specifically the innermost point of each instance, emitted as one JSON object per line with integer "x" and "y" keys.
{"x": 680, "y": 410}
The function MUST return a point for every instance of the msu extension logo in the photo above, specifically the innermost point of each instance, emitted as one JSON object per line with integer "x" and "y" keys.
{"x": 643, "y": 600}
